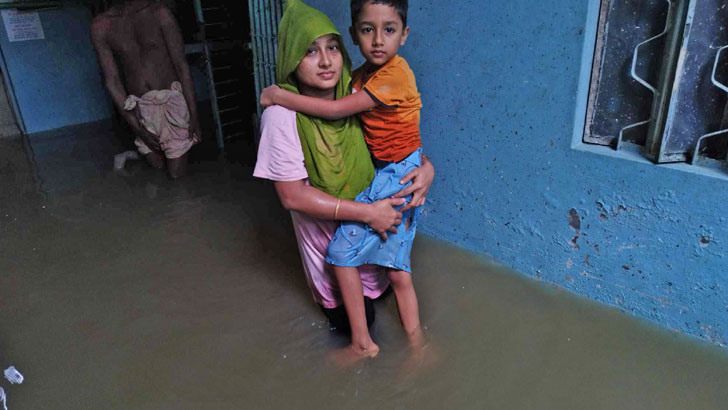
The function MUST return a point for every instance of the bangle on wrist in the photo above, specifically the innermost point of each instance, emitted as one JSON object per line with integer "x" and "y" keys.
{"x": 336, "y": 211}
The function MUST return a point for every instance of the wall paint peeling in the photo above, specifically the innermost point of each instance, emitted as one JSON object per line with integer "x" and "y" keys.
{"x": 498, "y": 123}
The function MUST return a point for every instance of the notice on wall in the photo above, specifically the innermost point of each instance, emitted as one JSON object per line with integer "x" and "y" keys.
{"x": 23, "y": 26}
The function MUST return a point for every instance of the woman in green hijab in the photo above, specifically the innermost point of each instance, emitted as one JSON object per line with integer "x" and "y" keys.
{"x": 319, "y": 166}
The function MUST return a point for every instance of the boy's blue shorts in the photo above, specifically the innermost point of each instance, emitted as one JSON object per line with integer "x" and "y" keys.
{"x": 356, "y": 244}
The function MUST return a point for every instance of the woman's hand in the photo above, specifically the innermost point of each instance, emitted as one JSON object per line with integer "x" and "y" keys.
{"x": 421, "y": 178}
{"x": 383, "y": 217}
{"x": 267, "y": 97}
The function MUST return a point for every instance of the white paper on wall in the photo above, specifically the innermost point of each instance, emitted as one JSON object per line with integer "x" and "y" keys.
{"x": 23, "y": 26}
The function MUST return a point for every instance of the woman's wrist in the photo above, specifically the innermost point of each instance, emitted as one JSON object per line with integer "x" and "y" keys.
{"x": 346, "y": 210}
{"x": 336, "y": 210}
{"x": 362, "y": 212}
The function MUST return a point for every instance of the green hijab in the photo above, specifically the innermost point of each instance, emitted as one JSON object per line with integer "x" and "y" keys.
{"x": 335, "y": 154}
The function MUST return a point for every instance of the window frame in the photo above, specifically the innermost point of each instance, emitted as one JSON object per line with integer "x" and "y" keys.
{"x": 591, "y": 54}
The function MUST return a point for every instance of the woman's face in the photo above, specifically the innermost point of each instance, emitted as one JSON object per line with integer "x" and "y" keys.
{"x": 320, "y": 70}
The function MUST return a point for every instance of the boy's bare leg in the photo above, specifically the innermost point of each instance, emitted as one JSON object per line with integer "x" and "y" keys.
{"x": 155, "y": 159}
{"x": 362, "y": 345}
{"x": 409, "y": 312}
{"x": 177, "y": 167}
{"x": 422, "y": 354}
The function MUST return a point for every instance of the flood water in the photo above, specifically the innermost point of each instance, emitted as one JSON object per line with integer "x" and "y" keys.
{"x": 136, "y": 292}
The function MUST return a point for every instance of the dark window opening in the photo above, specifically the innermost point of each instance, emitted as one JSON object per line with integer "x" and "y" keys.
{"x": 617, "y": 100}
{"x": 225, "y": 55}
{"x": 653, "y": 83}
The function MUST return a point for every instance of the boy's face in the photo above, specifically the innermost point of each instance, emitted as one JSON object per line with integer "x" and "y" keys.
{"x": 379, "y": 33}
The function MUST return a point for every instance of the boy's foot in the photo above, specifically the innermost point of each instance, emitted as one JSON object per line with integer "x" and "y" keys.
{"x": 121, "y": 158}
{"x": 352, "y": 354}
{"x": 423, "y": 355}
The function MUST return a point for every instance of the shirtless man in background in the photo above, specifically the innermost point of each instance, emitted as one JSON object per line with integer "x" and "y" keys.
{"x": 141, "y": 52}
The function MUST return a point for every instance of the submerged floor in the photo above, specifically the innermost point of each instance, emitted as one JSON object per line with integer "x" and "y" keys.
{"x": 141, "y": 293}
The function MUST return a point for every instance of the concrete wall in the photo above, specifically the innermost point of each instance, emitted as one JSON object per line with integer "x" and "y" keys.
{"x": 57, "y": 81}
{"x": 502, "y": 83}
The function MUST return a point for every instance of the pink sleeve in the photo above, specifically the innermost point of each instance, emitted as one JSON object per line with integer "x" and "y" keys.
{"x": 280, "y": 156}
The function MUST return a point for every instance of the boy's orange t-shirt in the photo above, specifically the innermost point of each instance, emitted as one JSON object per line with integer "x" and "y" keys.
{"x": 392, "y": 128}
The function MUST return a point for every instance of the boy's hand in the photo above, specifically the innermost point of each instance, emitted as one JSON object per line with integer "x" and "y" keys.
{"x": 421, "y": 178}
{"x": 267, "y": 97}
{"x": 150, "y": 140}
{"x": 194, "y": 131}
{"x": 139, "y": 131}
{"x": 383, "y": 217}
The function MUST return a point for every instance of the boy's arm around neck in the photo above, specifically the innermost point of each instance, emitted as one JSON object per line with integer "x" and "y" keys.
{"x": 322, "y": 108}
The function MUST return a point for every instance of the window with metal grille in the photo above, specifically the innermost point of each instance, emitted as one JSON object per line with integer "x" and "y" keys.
{"x": 238, "y": 42}
{"x": 659, "y": 79}
{"x": 264, "y": 18}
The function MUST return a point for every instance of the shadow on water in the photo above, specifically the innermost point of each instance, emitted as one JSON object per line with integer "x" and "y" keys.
{"x": 133, "y": 291}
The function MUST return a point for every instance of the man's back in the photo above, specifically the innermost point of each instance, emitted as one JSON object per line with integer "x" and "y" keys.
{"x": 134, "y": 35}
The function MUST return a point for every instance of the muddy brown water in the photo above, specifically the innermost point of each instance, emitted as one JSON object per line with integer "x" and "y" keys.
{"x": 136, "y": 292}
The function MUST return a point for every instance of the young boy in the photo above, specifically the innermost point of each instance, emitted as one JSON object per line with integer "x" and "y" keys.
{"x": 388, "y": 102}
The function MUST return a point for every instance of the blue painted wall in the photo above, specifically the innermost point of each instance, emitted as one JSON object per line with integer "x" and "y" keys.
{"x": 502, "y": 83}
{"x": 57, "y": 81}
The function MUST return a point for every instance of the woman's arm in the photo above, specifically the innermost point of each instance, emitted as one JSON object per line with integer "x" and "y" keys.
{"x": 381, "y": 216}
{"x": 421, "y": 178}
{"x": 317, "y": 107}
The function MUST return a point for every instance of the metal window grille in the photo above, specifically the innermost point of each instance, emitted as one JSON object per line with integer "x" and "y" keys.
{"x": 627, "y": 61}
{"x": 696, "y": 106}
{"x": 658, "y": 78}
{"x": 264, "y": 18}
{"x": 224, "y": 30}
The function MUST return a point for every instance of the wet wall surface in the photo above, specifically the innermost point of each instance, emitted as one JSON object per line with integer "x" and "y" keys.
{"x": 499, "y": 83}
{"x": 132, "y": 291}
